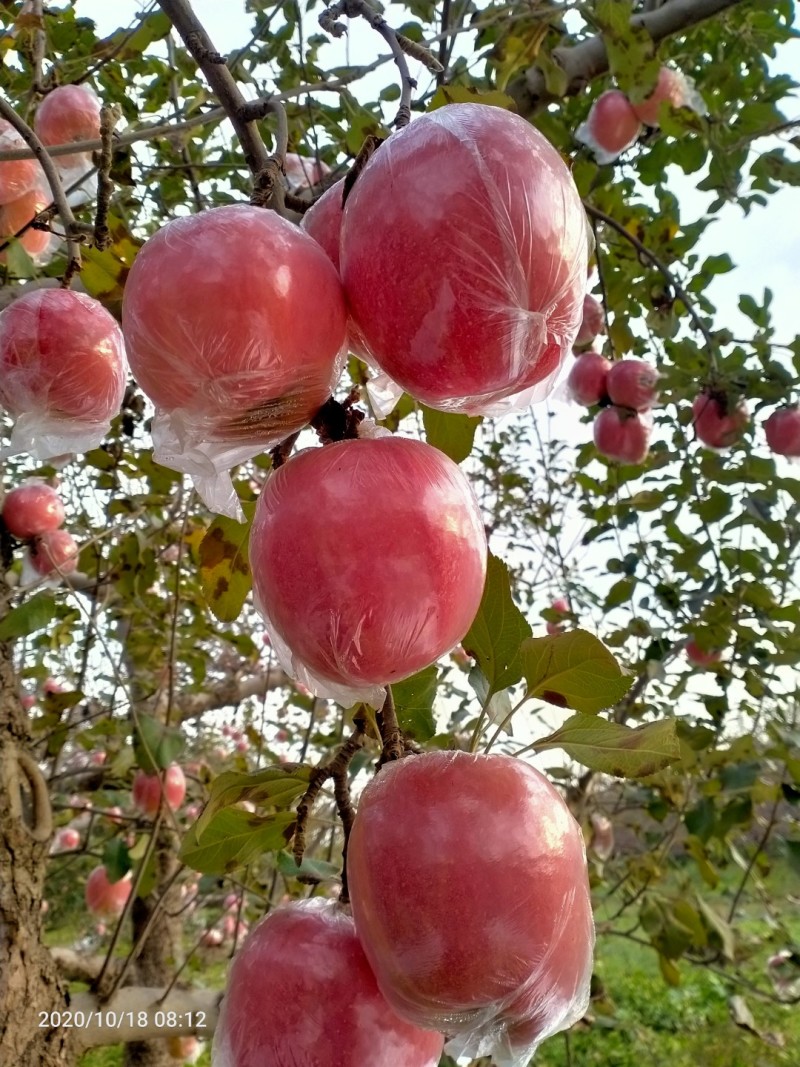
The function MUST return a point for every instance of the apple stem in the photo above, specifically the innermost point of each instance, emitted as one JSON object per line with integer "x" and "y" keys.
{"x": 391, "y": 735}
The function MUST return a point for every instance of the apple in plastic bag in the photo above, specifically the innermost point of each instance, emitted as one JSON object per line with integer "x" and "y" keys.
{"x": 611, "y": 127}
{"x": 587, "y": 380}
{"x": 147, "y": 789}
{"x": 463, "y": 256}
{"x": 470, "y": 894}
{"x": 15, "y": 215}
{"x": 236, "y": 318}
{"x": 719, "y": 421}
{"x": 300, "y": 991}
{"x": 61, "y": 354}
{"x": 622, "y": 435}
{"x": 68, "y": 113}
{"x": 368, "y": 559}
{"x": 671, "y": 88}
{"x": 17, "y": 176}
{"x": 31, "y": 510}
{"x": 104, "y": 897}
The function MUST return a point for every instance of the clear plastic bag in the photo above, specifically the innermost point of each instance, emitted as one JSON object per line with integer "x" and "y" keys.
{"x": 470, "y": 894}
{"x": 68, "y": 113}
{"x": 62, "y": 372}
{"x": 234, "y": 321}
{"x": 17, "y": 176}
{"x": 464, "y": 255}
{"x": 368, "y": 561}
{"x": 611, "y": 126}
{"x": 14, "y": 216}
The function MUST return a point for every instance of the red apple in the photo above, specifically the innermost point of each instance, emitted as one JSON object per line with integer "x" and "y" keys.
{"x": 671, "y": 88}
{"x": 17, "y": 176}
{"x": 184, "y": 1048}
{"x": 104, "y": 897}
{"x": 62, "y": 354}
{"x": 633, "y": 383}
{"x": 783, "y": 431}
{"x": 323, "y": 222}
{"x": 212, "y": 939}
{"x": 478, "y": 297}
{"x": 587, "y": 379}
{"x": 66, "y": 839}
{"x": 300, "y": 991}
{"x": 718, "y": 420}
{"x": 302, "y": 172}
{"x": 470, "y": 894}
{"x": 562, "y": 607}
{"x": 368, "y": 559}
{"x": 15, "y": 215}
{"x": 55, "y": 552}
{"x": 147, "y": 789}
{"x": 68, "y": 113}
{"x": 611, "y": 127}
{"x": 701, "y": 657}
{"x": 593, "y": 321}
{"x": 621, "y": 435}
{"x": 235, "y": 318}
{"x": 31, "y": 510}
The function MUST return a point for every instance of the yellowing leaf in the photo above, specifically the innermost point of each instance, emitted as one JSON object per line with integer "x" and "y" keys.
{"x": 614, "y": 749}
{"x": 573, "y": 670}
{"x": 224, "y": 566}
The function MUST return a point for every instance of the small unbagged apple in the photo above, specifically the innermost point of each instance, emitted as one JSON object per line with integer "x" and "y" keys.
{"x": 611, "y": 127}
{"x": 719, "y": 419}
{"x": 588, "y": 378}
{"x": 31, "y": 510}
{"x": 633, "y": 383}
{"x": 300, "y": 992}
{"x": 104, "y": 897}
{"x": 622, "y": 435}
{"x": 147, "y": 789}
{"x": 782, "y": 430}
{"x": 54, "y": 552}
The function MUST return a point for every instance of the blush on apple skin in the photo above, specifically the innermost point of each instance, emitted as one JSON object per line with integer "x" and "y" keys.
{"x": 368, "y": 559}
{"x": 470, "y": 894}
{"x": 104, "y": 897}
{"x": 15, "y": 215}
{"x": 633, "y": 383}
{"x": 718, "y": 422}
{"x": 300, "y": 991}
{"x": 236, "y": 318}
{"x": 463, "y": 257}
{"x": 701, "y": 657}
{"x": 61, "y": 354}
{"x": 621, "y": 436}
{"x": 54, "y": 552}
{"x": 17, "y": 176}
{"x": 588, "y": 378}
{"x": 31, "y": 510}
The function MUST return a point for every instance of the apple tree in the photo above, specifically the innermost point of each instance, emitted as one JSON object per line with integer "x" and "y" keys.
{"x": 373, "y": 413}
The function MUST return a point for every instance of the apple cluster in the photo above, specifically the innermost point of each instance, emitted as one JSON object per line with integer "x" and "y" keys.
{"x": 615, "y": 122}
{"x": 625, "y": 389}
{"x": 33, "y": 513}
{"x": 470, "y": 921}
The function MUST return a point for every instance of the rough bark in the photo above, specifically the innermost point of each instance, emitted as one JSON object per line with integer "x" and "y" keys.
{"x": 29, "y": 981}
{"x": 585, "y": 61}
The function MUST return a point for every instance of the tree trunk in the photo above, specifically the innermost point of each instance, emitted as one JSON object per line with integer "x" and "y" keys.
{"x": 30, "y": 987}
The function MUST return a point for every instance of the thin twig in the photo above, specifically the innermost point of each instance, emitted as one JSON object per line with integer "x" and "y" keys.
{"x": 109, "y": 117}
{"x": 391, "y": 735}
{"x": 176, "y": 107}
{"x": 596, "y": 213}
{"x": 54, "y": 181}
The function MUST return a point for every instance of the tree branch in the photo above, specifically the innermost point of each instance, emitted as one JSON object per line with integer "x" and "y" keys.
{"x": 583, "y": 62}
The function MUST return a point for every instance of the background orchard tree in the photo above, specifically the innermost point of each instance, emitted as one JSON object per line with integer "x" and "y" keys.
{"x": 683, "y": 770}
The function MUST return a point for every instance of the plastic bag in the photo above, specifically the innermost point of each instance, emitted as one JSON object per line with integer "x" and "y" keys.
{"x": 672, "y": 87}
{"x": 302, "y": 172}
{"x": 368, "y": 561}
{"x": 470, "y": 894}
{"x": 611, "y": 127}
{"x": 17, "y": 176}
{"x": 464, "y": 254}
{"x": 323, "y": 222}
{"x": 15, "y": 216}
{"x": 234, "y": 321}
{"x": 68, "y": 113}
{"x": 301, "y": 992}
{"x": 62, "y": 372}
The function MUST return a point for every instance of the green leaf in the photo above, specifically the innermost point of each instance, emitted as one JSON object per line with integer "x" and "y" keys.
{"x": 116, "y": 859}
{"x": 573, "y": 670}
{"x": 468, "y": 94}
{"x": 718, "y": 927}
{"x": 277, "y": 787}
{"x": 31, "y": 615}
{"x": 234, "y": 838}
{"x": 413, "y": 700}
{"x": 614, "y": 749}
{"x": 793, "y": 854}
{"x": 224, "y": 566}
{"x": 630, "y": 48}
{"x": 310, "y": 870}
{"x": 104, "y": 274}
{"x": 155, "y": 745}
{"x": 499, "y": 629}
{"x": 669, "y": 971}
{"x": 451, "y": 434}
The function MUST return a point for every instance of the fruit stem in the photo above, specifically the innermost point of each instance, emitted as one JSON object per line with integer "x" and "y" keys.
{"x": 391, "y": 735}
